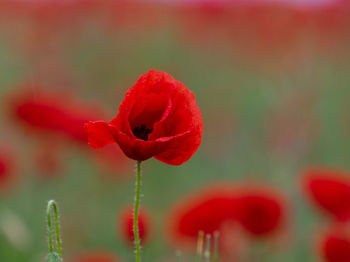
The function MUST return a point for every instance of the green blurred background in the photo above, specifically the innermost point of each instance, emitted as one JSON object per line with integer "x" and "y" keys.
{"x": 274, "y": 100}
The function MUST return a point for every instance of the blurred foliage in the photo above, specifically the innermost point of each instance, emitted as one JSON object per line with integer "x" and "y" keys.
{"x": 263, "y": 122}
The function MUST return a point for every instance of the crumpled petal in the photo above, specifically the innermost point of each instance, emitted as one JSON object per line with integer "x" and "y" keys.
{"x": 141, "y": 150}
{"x": 185, "y": 115}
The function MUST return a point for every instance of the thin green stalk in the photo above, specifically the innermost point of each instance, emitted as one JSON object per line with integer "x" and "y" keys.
{"x": 53, "y": 206}
{"x": 200, "y": 244}
{"x": 207, "y": 248}
{"x": 136, "y": 213}
{"x": 216, "y": 246}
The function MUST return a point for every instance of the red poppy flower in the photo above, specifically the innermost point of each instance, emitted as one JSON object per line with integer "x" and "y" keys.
{"x": 50, "y": 113}
{"x": 158, "y": 118}
{"x": 98, "y": 256}
{"x": 126, "y": 224}
{"x": 55, "y": 118}
{"x": 205, "y": 211}
{"x": 330, "y": 190}
{"x": 260, "y": 211}
{"x": 335, "y": 246}
{"x": 233, "y": 211}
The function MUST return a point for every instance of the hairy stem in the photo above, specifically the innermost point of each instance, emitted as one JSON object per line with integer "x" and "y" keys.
{"x": 136, "y": 213}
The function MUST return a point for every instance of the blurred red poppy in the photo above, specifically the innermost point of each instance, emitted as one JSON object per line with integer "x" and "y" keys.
{"x": 158, "y": 118}
{"x": 205, "y": 211}
{"x": 329, "y": 190}
{"x": 260, "y": 210}
{"x": 335, "y": 246}
{"x": 51, "y": 113}
{"x": 58, "y": 119}
{"x": 97, "y": 256}
{"x": 126, "y": 225}
{"x": 257, "y": 210}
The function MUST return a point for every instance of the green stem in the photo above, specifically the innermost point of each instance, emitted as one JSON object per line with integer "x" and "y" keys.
{"x": 200, "y": 244}
{"x": 52, "y": 205}
{"x": 216, "y": 246}
{"x": 207, "y": 249}
{"x": 136, "y": 213}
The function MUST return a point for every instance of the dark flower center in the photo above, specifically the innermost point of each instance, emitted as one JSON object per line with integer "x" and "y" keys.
{"x": 142, "y": 132}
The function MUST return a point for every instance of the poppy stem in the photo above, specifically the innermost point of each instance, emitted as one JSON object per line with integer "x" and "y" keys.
{"x": 53, "y": 206}
{"x": 216, "y": 246}
{"x": 200, "y": 243}
{"x": 136, "y": 213}
{"x": 207, "y": 248}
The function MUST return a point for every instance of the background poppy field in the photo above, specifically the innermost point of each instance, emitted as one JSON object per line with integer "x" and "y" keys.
{"x": 271, "y": 79}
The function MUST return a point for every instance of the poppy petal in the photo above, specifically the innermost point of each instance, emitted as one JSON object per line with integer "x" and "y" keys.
{"x": 99, "y": 134}
{"x": 141, "y": 150}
